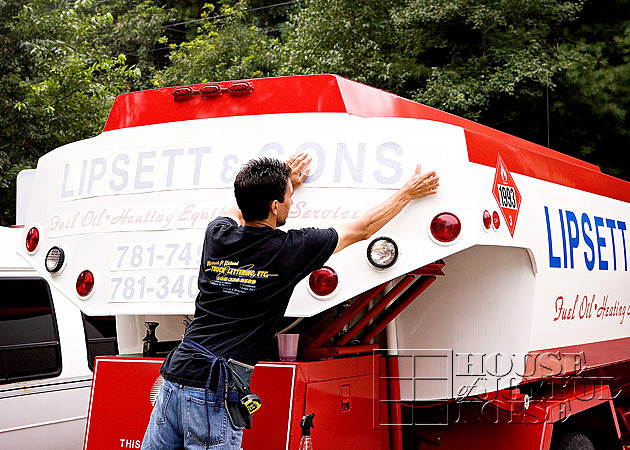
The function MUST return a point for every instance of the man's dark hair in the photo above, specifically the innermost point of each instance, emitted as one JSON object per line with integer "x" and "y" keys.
{"x": 258, "y": 183}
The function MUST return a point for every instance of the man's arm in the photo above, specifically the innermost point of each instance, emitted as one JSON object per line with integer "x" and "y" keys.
{"x": 417, "y": 187}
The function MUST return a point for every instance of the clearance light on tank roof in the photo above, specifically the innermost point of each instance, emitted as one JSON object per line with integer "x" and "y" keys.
{"x": 323, "y": 282}
{"x": 382, "y": 252}
{"x": 55, "y": 259}
{"x": 32, "y": 240}
{"x": 183, "y": 93}
{"x": 85, "y": 283}
{"x": 445, "y": 228}
{"x": 236, "y": 89}
{"x": 210, "y": 90}
{"x": 240, "y": 88}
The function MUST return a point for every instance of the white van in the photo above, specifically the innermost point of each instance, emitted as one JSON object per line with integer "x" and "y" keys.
{"x": 47, "y": 350}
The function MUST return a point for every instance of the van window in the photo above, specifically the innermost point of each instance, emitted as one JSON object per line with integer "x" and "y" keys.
{"x": 29, "y": 339}
{"x": 100, "y": 337}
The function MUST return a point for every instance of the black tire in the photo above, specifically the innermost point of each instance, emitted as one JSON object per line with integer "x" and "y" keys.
{"x": 572, "y": 441}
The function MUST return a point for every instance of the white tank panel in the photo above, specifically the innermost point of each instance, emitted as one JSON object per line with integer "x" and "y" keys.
{"x": 449, "y": 337}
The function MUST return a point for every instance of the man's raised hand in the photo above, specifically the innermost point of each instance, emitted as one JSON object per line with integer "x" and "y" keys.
{"x": 299, "y": 171}
{"x": 421, "y": 185}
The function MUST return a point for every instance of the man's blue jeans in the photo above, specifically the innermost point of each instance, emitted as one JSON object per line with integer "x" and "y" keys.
{"x": 180, "y": 419}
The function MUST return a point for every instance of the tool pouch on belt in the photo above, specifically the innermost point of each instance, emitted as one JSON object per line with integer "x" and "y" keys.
{"x": 240, "y": 402}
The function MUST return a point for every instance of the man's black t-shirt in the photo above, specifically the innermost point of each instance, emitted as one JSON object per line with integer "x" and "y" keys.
{"x": 246, "y": 278}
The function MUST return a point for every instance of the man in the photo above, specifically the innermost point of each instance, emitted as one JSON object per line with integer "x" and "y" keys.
{"x": 248, "y": 271}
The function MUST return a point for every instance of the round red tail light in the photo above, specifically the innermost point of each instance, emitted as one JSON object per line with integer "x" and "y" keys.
{"x": 445, "y": 227}
{"x": 323, "y": 281}
{"x": 487, "y": 220}
{"x": 32, "y": 240}
{"x": 85, "y": 283}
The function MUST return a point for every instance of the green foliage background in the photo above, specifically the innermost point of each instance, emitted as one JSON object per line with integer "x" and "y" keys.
{"x": 551, "y": 71}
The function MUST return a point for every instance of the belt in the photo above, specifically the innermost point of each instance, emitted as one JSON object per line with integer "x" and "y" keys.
{"x": 225, "y": 373}
{"x": 234, "y": 378}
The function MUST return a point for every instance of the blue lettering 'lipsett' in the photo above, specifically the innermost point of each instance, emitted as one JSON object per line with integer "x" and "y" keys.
{"x": 574, "y": 234}
{"x": 554, "y": 261}
{"x": 590, "y": 262}
{"x": 564, "y": 238}
{"x": 611, "y": 224}
{"x": 601, "y": 243}
{"x": 622, "y": 227}
{"x": 568, "y": 234}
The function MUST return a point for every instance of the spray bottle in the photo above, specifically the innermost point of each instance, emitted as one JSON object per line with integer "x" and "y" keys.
{"x": 306, "y": 424}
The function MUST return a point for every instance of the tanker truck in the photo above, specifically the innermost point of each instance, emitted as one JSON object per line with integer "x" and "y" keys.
{"x": 491, "y": 315}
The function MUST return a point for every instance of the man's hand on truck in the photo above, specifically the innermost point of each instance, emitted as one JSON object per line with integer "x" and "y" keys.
{"x": 299, "y": 171}
{"x": 418, "y": 186}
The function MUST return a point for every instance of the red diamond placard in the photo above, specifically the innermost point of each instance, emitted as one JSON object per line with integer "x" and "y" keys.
{"x": 506, "y": 194}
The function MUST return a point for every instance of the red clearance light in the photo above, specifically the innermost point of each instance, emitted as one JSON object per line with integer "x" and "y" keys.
{"x": 183, "y": 93}
{"x": 85, "y": 283}
{"x": 239, "y": 88}
{"x": 323, "y": 281}
{"x": 496, "y": 220}
{"x": 32, "y": 240}
{"x": 210, "y": 90}
{"x": 445, "y": 227}
{"x": 487, "y": 220}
